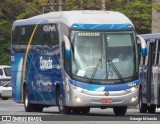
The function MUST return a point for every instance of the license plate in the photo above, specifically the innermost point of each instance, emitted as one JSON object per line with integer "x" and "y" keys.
{"x": 106, "y": 100}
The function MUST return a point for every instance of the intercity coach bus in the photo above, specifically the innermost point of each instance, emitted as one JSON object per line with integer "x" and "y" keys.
{"x": 149, "y": 98}
{"x": 68, "y": 59}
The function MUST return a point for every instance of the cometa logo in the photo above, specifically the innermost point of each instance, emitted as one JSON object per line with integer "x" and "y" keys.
{"x": 45, "y": 64}
{"x": 48, "y": 28}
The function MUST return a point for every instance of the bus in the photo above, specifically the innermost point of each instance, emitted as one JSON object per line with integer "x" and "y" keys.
{"x": 65, "y": 59}
{"x": 149, "y": 71}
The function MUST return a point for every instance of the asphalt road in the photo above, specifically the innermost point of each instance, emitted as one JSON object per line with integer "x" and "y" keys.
{"x": 14, "y": 111}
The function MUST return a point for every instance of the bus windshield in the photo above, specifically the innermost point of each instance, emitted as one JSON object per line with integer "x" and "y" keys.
{"x": 104, "y": 55}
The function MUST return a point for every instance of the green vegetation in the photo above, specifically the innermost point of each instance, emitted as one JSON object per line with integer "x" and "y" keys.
{"x": 139, "y": 11}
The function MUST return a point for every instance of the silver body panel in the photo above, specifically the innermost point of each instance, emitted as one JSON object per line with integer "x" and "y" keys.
{"x": 119, "y": 98}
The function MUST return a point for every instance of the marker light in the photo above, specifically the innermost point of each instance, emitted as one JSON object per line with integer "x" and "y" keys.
{"x": 78, "y": 100}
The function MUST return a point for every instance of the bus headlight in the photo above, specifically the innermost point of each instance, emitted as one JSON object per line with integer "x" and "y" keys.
{"x": 132, "y": 89}
{"x": 79, "y": 100}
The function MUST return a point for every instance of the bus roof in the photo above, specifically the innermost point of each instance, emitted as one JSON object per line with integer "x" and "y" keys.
{"x": 155, "y": 36}
{"x": 80, "y": 17}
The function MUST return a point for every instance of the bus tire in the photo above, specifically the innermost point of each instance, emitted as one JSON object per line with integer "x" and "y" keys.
{"x": 62, "y": 109}
{"x": 151, "y": 109}
{"x": 4, "y": 98}
{"x": 120, "y": 111}
{"x": 142, "y": 106}
{"x": 28, "y": 106}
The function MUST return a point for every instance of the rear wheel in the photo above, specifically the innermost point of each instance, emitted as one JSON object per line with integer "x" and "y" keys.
{"x": 4, "y": 98}
{"x": 120, "y": 111}
{"x": 142, "y": 106}
{"x": 151, "y": 109}
{"x": 62, "y": 109}
{"x": 28, "y": 106}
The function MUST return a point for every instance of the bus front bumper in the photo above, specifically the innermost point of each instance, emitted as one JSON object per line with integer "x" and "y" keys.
{"x": 79, "y": 98}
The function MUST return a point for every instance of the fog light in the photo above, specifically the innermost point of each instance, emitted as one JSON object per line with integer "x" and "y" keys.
{"x": 134, "y": 99}
{"x": 78, "y": 100}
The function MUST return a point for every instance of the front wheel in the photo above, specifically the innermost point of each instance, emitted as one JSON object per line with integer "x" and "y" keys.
{"x": 62, "y": 109}
{"x": 28, "y": 106}
{"x": 151, "y": 109}
{"x": 120, "y": 111}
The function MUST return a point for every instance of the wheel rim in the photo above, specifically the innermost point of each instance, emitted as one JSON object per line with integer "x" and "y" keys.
{"x": 26, "y": 100}
{"x": 60, "y": 102}
{"x": 140, "y": 99}
{"x": 140, "y": 103}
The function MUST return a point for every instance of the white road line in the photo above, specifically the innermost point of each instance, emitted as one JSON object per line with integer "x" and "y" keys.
{"x": 3, "y": 109}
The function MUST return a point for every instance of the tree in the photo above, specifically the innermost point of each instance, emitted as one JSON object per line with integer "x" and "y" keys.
{"x": 83, "y": 5}
{"x": 156, "y": 5}
{"x": 8, "y": 12}
{"x": 140, "y": 12}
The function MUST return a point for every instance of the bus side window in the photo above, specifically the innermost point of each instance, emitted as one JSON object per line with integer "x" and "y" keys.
{"x": 154, "y": 47}
{"x": 147, "y": 57}
{"x": 1, "y": 72}
{"x": 139, "y": 53}
{"x": 66, "y": 61}
{"x": 156, "y": 52}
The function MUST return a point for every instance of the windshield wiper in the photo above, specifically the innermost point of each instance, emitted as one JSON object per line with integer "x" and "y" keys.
{"x": 96, "y": 68}
{"x": 111, "y": 64}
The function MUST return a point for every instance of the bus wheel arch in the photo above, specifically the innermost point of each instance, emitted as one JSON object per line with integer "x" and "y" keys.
{"x": 27, "y": 105}
{"x": 24, "y": 86}
{"x": 62, "y": 109}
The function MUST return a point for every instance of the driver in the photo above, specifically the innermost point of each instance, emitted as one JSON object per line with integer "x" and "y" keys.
{"x": 119, "y": 58}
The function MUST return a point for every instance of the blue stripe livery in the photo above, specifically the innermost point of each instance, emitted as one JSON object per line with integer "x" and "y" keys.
{"x": 103, "y": 26}
{"x": 94, "y": 87}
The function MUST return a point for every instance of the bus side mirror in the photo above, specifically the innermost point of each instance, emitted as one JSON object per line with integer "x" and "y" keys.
{"x": 67, "y": 46}
{"x": 143, "y": 45}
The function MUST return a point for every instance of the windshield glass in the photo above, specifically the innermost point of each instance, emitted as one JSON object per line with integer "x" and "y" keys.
{"x": 7, "y": 71}
{"x": 4, "y": 81}
{"x": 103, "y": 55}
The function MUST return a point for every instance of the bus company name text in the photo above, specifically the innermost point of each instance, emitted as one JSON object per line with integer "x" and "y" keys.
{"x": 45, "y": 64}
